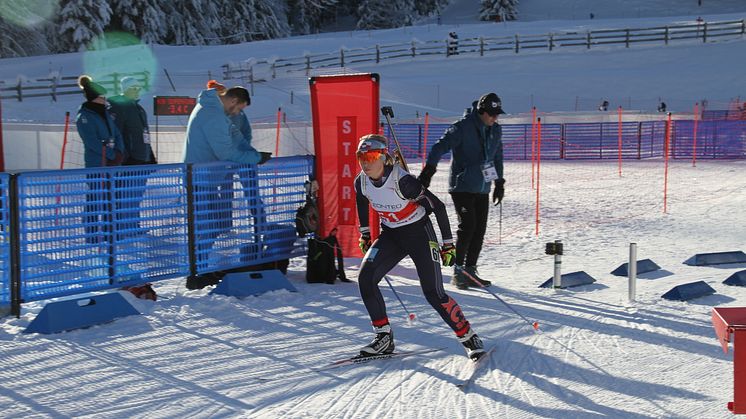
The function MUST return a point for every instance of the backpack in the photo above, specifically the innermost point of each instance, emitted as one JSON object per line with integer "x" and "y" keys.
{"x": 307, "y": 216}
{"x": 320, "y": 264}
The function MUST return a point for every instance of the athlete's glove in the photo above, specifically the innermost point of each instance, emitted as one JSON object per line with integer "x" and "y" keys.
{"x": 448, "y": 254}
{"x": 364, "y": 242}
{"x": 499, "y": 192}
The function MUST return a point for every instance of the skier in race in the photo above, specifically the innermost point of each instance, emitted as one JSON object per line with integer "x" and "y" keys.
{"x": 403, "y": 205}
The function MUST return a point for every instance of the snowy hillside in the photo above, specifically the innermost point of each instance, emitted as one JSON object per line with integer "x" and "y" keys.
{"x": 192, "y": 354}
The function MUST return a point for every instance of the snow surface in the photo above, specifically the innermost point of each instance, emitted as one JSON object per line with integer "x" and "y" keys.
{"x": 197, "y": 355}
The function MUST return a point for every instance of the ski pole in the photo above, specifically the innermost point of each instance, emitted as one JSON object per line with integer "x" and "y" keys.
{"x": 500, "y": 235}
{"x": 411, "y": 316}
{"x": 388, "y": 112}
{"x": 534, "y": 324}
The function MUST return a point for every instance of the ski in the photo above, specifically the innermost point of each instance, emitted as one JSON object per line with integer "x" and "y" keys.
{"x": 365, "y": 359}
{"x": 476, "y": 366}
{"x": 355, "y": 360}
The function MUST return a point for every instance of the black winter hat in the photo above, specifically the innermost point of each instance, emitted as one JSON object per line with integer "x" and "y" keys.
{"x": 491, "y": 104}
{"x": 91, "y": 90}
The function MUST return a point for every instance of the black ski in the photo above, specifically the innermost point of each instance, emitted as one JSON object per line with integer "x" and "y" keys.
{"x": 476, "y": 366}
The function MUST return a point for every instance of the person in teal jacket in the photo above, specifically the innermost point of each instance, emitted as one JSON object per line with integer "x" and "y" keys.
{"x": 475, "y": 143}
{"x": 103, "y": 146}
{"x": 102, "y": 139}
{"x": 217, "y": 131}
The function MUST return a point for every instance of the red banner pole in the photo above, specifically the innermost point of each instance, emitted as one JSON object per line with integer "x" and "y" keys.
{"x": 533, "y": 147}
{"x": 277, "y": 136}
{"x": 538, "y": 169}
{"x": 424, "y": 143}
{"x": 665, "y": 158}
{"x": 64, "y": 140}
{"x": 694, "y": 142}
{"x": 620, "y": 141}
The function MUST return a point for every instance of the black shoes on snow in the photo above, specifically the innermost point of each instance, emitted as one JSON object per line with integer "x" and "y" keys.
{"x": 464, "y": 277}
{"x": 383, "y": 343}
{"x": 473, "y": 345}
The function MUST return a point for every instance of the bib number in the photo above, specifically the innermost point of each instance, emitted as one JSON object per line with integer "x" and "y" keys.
{"x": 488, "y": 172}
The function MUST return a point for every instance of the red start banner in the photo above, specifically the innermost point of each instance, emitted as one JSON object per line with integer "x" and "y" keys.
{"x": 344, "y": 108}
{"x": 173, "y": 105}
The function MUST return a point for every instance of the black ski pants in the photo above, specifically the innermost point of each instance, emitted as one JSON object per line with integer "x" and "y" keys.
{"x": 419, "y": 242}
{"x": 472, "y": 210}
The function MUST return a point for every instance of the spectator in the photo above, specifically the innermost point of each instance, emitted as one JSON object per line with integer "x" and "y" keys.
{"x": 132, "y": 121}
{"x": 212, "y": 135}
{"x": 662, "y": 106}
{"x": 604, "y": 106}
{"x": 475, "y": 142}
{"x": 103, "y": 146}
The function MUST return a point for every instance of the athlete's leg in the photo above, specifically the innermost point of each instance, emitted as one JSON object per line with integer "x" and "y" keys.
{"x": 380, "y": 258}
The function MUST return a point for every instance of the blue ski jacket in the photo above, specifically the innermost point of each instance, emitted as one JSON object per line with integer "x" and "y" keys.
{"x": 472, "y": 144}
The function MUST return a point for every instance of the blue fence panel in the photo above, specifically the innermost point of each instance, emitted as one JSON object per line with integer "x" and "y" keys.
{"x": 89, "y": 229}
{"x": 4, "y": 240}
{"x": 244, "y": 214}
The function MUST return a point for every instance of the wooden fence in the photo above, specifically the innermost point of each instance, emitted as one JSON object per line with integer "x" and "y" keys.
{"x": 262, "y": 69}
{"x": 54, "y": 86}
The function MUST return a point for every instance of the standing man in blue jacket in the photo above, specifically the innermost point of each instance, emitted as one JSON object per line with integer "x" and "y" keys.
{"x": 212, "y": 135}
{"x": 475, "y": 142}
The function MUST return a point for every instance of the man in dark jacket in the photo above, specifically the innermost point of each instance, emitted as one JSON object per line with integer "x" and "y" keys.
{"x": 132, "y": 121}
{"x": 475, "y": 142}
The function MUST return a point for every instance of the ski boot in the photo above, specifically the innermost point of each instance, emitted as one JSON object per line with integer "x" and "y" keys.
{"x": 472, "y": 270}
{"x": 473, "y": 345}
{"x": 383, "y": 343}
{"x": 459, "y": 279}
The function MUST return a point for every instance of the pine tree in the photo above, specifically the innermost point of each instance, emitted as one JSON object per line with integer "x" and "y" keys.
{"x": 21, "y": 40}
{"x": 307, "y": 16}
{"x": 192, "y": 22}
{"x": 498, "y": 10}
{"x": 79, "y": 22}
{"x": 377, "y": 14}
{"x": 142, "y": 18}
{"x": 271, "y": 19}
{"x": 426, "y": 7}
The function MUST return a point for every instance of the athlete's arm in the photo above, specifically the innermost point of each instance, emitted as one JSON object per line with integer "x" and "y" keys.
{"x": 411, "y": 188}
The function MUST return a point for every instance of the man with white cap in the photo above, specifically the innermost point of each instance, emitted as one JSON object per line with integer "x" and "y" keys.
{"x": 132, "y": 121}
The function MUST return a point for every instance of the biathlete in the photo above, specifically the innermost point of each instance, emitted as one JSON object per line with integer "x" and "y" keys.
{"x": 403, "y": 205}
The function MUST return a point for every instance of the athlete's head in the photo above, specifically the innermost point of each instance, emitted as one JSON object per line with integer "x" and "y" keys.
{"x": 372, "y": 155}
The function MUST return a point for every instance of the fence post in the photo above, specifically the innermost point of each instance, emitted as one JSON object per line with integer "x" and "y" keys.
{"x": 191, "y": 233}
{"x": 626, "y": 38}
{"x": 743, "y": 26}
{"x": 15, "y": 247}
{"x": 341, "y": 57}
{"x": 704, "y": 33}
{"x": 517, "y": 43}
{"x": 146, "y": 80}
{"x": 308, "y": 65}
{"x": 378, "y": 54}
{"x": 666, "y": 36}
{"x": 54, "y": 88}
{"x": 481, "y": 46}
{"x": 251, "y": 79}
{"x": 588, "y": 39}
{"x": 274, "y": 74}
{"x": 19, "y": 89}
{"x": 551, "y": 41}
{"x": 639, "y": 141}
{"x": 414, "y": 49}
{"x": 115, "y": 78}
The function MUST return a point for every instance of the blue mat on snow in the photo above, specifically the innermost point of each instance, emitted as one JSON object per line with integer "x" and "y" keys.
{"x": 572, "y": 279}
{"x": 645, "y": 265}
{"x": 738, "y": 279}
{"x": 689, "y": 291}
{"x": 719, "y": 258}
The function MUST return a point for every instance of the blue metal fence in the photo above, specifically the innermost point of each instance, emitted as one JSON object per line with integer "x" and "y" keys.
{"x": 244, "y": 215}
{"x": 715, "y": 140}
{"x": 85, "y": 230}
{"x": 4, "y": 240}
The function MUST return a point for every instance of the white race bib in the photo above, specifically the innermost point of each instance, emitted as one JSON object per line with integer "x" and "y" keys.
{"x": 488, "y": 172}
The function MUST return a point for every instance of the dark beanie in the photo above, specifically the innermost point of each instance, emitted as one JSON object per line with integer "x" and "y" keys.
{"x": 91, "y": 90}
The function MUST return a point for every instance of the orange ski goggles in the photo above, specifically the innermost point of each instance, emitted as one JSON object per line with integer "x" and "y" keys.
{"x": 370, "y": 156}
